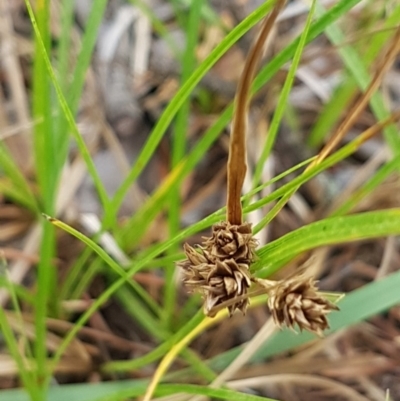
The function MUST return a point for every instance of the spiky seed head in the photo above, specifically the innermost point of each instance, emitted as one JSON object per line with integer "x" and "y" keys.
{"x": 219, "y": 269}
{"x": 296, "y": 301}
{"x": 230, "y": 241}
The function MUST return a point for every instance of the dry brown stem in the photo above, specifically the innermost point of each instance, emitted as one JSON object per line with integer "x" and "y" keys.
{"x": 382, "y": 66}
{"x": 237, "y": 152}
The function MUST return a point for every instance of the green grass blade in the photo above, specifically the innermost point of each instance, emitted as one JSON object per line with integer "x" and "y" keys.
{"x": 18, "y": 183}
{"x": 357, "y": 68}
{"x": 41, "y": 110}
{"x": 171, "y": 389}
{"x": 144, "y": 318}
{"x": 158, "y": 26}
{"x": 45, "y": 165}
{"x": 329, "y": 231}
{"x": 384, "y": 172}
{"x": 24, "y": 370}
{"x": 74, "y": 89}
{"x": 178, "y": 152}
{"x": 116, "y": 268}
{"x": 67, "y": 112}
{"x": 332, "y": 111}
{"x": 345, "y": 91}
{"x": 283, "y": 98}
{"x": 122, "y": 390}
{"x": 64, "y": 44}
{"x": 61, "y": 134}
{"x": 72, "y": 278}
{"x": 88, "y": 41}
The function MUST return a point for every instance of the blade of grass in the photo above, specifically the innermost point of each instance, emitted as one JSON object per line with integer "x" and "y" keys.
{"x": 178, "y": 152}
{"x": 144, "y": 318}
{"x": 64, "y": 44}
{"x": 78, "y": 75}
{"x": 88, "y": 42}
{"x": 288, "y": 189}
{"x": 41, "y": 110}
{"x": 283, "y": 98}
{"x": 345, "y": 91}
{"x": 329, "y": 231}
{"x": 63, "y": 75}
{"x": 67, "y": 112}
{"x": 20, "y": 185}
{"x": 158, "y": 26}
{"x": 86, "y": 276}
{"x": 221, "y": 394}
{"x": 110, "y": 262}
{"x": 25, "y": 371}
{"x": 127, "y": 389}
{"x": 12, "y": 192}
{"x": 357, "y": 68}
{"x": 45, "y": 174}
{"x": 73, "y": 276}
{"x": 384, "y": 172}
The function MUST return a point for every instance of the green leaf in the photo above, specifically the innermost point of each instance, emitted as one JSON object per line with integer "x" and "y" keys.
{"x": 329, "y": 231}
{"x": 121, "y": 390}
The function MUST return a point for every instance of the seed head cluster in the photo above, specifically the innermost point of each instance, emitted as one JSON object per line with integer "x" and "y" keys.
{"x": 295, "y": 301}
{"x": 219, "y": 269}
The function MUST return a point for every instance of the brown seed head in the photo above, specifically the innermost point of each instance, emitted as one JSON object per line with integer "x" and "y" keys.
{"x": 230, "y": 241}
{"x": 296, "y": 301}
{"x": 220, "y": 270}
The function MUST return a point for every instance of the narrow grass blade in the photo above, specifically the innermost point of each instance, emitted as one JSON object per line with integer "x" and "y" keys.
{"x": 384, "y": 172}
{"x": 122, "y": 390}
{"x": 19, "y": 185}
{"x": 73, "y": 89}
{"x": 283, "y": 98}
{"x": 179, "y": 146}
{"x": 345, "y": 91}
{"x": 67, "y": 112}
{"x": 114, "y": 266}
{"x": 357, "y": 68}
{"x": 24, "y": 365}
{"x": 329, "y": 231}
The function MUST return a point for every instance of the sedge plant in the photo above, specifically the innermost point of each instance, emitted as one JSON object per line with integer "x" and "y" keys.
{"x": 170, "y": 326}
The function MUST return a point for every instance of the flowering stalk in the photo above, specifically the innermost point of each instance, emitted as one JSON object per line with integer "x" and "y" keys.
{"x": 220, "y": 268}
{"x": 237, "y": 151}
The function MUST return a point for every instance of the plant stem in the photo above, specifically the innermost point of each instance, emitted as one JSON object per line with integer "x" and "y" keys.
{"x": 237, "y": 151}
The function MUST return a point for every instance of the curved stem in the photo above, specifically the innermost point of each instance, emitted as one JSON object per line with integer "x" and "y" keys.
{"x": 237, "y": 152}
